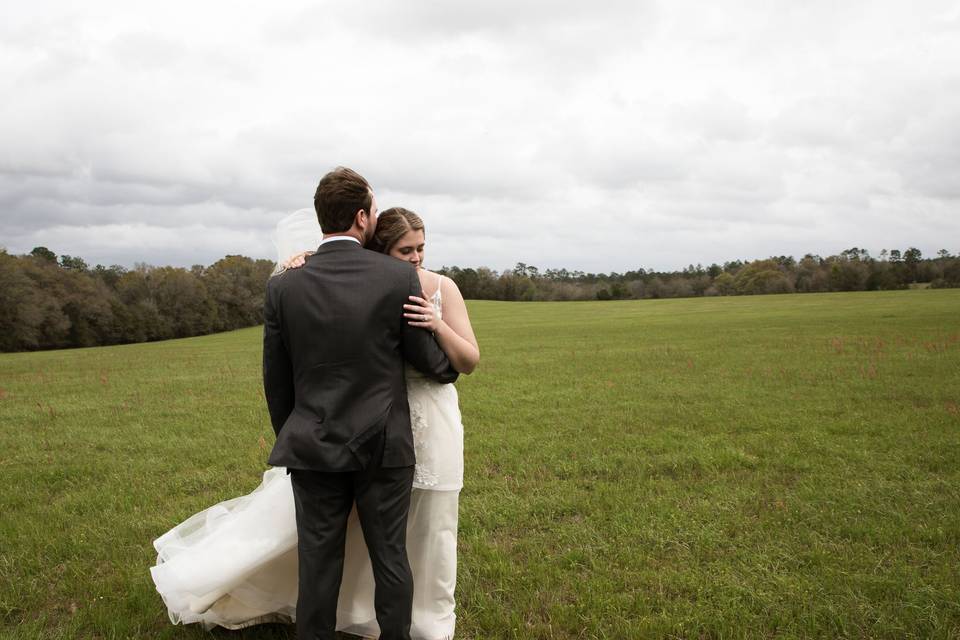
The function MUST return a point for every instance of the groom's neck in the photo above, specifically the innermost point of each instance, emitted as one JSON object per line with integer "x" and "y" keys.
{"x": 346, "y": 234}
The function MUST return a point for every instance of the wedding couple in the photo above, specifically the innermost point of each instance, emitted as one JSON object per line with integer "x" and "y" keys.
{"x": 355, "y": 527}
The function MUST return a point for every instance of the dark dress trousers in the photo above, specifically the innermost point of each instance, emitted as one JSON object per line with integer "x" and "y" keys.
{"x": 334, "y": 345}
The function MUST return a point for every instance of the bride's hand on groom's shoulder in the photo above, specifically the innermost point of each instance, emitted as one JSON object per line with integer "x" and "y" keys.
{"x": 297, "y": 260}
{"x": 420, "y": 313}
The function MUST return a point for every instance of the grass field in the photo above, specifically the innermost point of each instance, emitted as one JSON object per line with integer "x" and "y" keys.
{"x": 778, "y": 466}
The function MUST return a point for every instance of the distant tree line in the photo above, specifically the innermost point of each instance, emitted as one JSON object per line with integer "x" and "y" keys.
{"x": 49, "y": 303}
{"x": 851, "y": 270}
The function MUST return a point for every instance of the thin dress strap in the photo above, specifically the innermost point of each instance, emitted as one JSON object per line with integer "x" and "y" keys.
{"x": 437, "y": 298}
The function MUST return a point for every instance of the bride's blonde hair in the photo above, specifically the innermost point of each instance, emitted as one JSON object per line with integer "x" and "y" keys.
{"x": 393, "y": 224}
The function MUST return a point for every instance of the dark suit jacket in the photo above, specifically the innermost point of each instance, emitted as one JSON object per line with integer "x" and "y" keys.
{"x": 334, "y": 345}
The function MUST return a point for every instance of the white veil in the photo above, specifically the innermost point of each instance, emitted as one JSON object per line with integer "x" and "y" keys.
{"x": 296, "y": 233}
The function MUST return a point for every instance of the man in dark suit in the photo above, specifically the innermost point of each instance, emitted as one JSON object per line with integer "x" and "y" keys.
{"x": 334, "y": 346}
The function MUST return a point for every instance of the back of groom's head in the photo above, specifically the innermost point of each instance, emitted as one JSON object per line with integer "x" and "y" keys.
{"x": 340, "y": 195}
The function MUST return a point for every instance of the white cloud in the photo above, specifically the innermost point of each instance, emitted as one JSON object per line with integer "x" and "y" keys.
{"x": 600, "y": 137}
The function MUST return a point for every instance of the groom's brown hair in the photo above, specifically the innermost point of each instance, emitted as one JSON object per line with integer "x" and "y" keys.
{"x": 340, "y": 194}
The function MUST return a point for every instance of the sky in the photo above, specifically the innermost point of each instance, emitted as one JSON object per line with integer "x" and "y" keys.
{"x": 590, "y": 136}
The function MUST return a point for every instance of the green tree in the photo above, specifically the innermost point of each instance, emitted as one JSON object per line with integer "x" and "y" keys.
{"x": 237, "y": 284}
{"x": 74, "y": 263}
{"x": 142, "y": 320}
{"x": 44, "y": 254}
{"x": 951, "y": 273}
{"x": 810, "y": 275}
{"x": 762, "y": 277}
{"x": 911, "y": 258}
{"x": 31, "y": 299}
{"x": 182, "y": 299}
{"x": 725, "y": 284}
{"x": 87, "y": 303}
{"x": 848, "y": 275}
{"x": 109, "y": 275}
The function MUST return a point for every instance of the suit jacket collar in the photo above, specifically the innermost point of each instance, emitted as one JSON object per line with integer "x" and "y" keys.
{"x": 340, "y": 245}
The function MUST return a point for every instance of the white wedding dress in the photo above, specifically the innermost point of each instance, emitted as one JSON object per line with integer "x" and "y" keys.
{"x": 235, "y": 563}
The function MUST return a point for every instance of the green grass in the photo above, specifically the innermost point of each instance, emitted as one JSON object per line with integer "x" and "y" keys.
{"x": 778, "y": 466}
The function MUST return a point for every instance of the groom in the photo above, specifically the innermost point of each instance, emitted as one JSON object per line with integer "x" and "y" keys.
{"x": 334, "y": 344}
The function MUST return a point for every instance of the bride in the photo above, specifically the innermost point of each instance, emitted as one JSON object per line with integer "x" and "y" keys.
{"x": 235, "y": 563}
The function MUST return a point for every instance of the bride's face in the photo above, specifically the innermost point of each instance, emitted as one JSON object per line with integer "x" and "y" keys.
{"x": 410, "y": 248}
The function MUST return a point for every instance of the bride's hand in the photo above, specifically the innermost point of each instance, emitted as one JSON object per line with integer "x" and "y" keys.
{"x": 420, "y": 313}
{"x": 297, "y": 261}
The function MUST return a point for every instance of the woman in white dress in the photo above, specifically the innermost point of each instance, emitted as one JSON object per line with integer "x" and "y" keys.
{"x": 235, "y": 564}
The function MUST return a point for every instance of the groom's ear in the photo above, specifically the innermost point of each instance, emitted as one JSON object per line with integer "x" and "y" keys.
{"x": 361, "y": 218}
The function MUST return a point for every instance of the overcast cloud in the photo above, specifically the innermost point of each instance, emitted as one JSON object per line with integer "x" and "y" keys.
{"x": 595, "y": 136}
